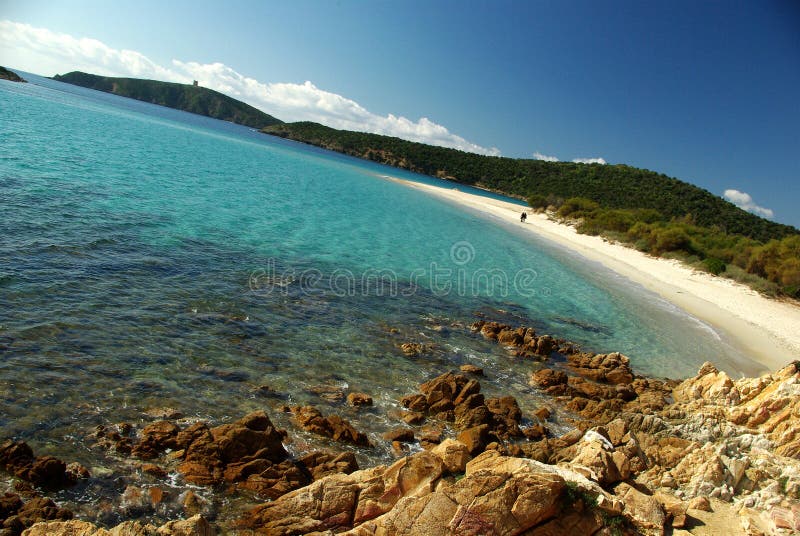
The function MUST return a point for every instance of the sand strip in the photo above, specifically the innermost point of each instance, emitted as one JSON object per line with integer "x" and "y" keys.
{"x": 768, "y": 330}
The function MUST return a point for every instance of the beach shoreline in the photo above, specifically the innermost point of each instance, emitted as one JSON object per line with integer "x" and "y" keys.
{"x": 763, "y": 328}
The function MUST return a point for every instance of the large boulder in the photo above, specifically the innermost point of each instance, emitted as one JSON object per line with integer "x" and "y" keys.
{"x": 340, "y": 501}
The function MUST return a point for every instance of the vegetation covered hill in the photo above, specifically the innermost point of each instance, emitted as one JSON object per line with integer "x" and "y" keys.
{"x": 5, "y": 74}
{"x": 190, "y": 98}
{"x": 648, "y": 210}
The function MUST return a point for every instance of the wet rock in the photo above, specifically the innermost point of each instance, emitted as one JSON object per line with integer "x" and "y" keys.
{"x": 194, "y": 526}
{"x": 613, "y": 368}
{"x": 359, "y": 399}
{"x": 403, "y": 435}
{"x": 155, "y": 439}
{"x": 321, "y": 463}
{"x": 331, "y": 393}
{"x": 471, "y": 369}
{"x": 457, "y": 398}
{"x": 545, "y": 378}
{"x": 522, "y": 341}
{"x": 34, "y": 511}
{"x": 164, "y": 414}
{"x": 154, "y": 471}
{"x": 247, "y": 453}
{"x": 415, "y": 349}
{"x": 413, "y": 417}
{"x": 333, "y": 426}
{"x": 476, "y": 438}
{"x": 47, "y": 472}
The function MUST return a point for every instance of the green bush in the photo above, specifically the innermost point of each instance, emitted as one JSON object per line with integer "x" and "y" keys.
{"x": 538, "y": 202}
{"x": 577, "y": 207}
{"x": 714, "y": 265}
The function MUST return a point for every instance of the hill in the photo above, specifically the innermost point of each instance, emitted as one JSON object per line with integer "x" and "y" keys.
{"x": 612, "y": 186}
{"x": 11, "y": 76}
{"x": 189, "y": 98}
{"x": 645, "y": 209}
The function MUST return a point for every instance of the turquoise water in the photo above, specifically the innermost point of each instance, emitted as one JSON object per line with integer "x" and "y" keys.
{"x": 154, "y": 258}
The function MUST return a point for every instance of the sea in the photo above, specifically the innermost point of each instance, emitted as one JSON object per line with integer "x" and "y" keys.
{"x": 152, "y": 258}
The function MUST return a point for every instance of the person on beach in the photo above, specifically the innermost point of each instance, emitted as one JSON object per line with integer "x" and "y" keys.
{"x": 523, "y": 217}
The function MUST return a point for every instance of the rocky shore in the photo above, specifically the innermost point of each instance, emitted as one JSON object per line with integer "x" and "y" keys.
{"x": 707, "y": 455}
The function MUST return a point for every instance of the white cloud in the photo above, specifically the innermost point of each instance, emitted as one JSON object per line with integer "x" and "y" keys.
{"x": 589, "y": 160}
{"x": 42, "y": 51}
{"x": 744, "y": 201}
{"x": 539, "y": 156}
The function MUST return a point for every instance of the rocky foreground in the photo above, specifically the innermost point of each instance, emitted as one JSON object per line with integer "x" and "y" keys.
{"x": 708, "y": 455}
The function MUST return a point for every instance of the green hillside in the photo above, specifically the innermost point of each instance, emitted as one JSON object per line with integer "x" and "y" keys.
{"x": 189, "y": 98}
{"x": 11, "y": 76}
{"x": 655, "y": 213}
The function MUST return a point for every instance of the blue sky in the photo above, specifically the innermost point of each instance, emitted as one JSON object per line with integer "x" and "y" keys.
{"x": 708, "y": 92}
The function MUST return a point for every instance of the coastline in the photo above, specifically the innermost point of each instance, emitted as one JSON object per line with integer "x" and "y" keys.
{"x": 766, "y": 329}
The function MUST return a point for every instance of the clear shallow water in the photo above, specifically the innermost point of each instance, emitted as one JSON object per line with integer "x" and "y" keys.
{"x": 151, "y": 258}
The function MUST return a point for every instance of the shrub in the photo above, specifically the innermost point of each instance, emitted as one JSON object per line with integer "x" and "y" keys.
{"x": 538, "y": 202}
{"x": 714, "y": 265}
{"x": 577, "y": 207}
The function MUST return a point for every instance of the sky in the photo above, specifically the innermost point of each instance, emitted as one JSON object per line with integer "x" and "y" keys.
{"x": 705, "y": 91}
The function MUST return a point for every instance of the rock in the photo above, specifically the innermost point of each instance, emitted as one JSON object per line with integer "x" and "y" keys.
{"x": 194, "y": 526}
{"x": 643, "y": 511}
{"x": 155, "y": 439}
{"x": 453, "y": 454}
{"x": 414, "y": 349}
{"x": 34, "y": 511}
{"x": 247, "y": 453}
{"x": 321, "y": 464}
{"x": 497, "y": 495}
{"x": 339, "y": 501}
{"x": 506, "y": 416}
{"x": 545, "y": 378}
{"x": 413, "y": 417}
{"x": 700, "y": 503}
{"x": 333, "y": 426}
{"x": 542, "y": 413}
{"x": 330, "y": 392}
{"x": 403, "y": 435}
{"x": 476, "y": 438}
{"x": 164, "y": 414}
{"x": 47, "y": 472}
{"x": 611, "y": 368}
{"x": 359, "y": 399}
{"x": 154, "y": 470}
{"x": 599, "y": 462}
{"x": 471, "y": 369}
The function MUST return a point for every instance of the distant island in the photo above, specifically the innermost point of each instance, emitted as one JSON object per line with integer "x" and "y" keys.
{"x": 649, "y": 211}
{"x": 11, "y": 76}
{"x": 189, "y": 98}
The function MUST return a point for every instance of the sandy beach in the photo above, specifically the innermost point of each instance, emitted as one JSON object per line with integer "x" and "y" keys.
{"x": 768, "y": 330}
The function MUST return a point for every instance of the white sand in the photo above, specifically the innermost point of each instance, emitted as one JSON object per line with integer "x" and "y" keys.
{"x": 767, "y": 330}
